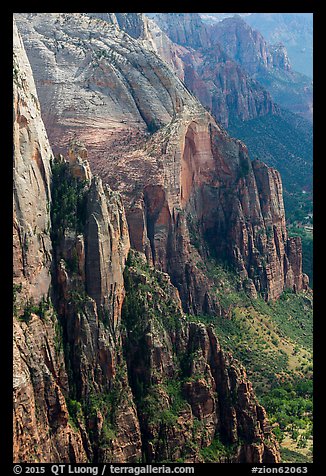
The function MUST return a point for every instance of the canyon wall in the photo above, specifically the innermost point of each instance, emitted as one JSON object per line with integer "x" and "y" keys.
{"x": 46, "y": 372}
{"x": 230, "y": 55}
{"x": 208, "y": 71}
{"x": 40, "y": 380}
{"x": 268, "y": 64}
{"x": 110, "y": 243}
{"x": 167, "y": 157}
{"x": 75, "y": 356}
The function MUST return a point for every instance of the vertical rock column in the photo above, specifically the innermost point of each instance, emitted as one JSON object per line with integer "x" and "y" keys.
{"x": 107, "y": 247}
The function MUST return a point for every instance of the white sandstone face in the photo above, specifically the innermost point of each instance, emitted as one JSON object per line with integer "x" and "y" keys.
{"x": 32, "y": 197}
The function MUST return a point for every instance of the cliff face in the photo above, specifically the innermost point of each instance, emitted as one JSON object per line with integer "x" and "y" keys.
{"x": 216, "y": 197}
{"x": 132, "y": 23}
{"x": 53, "y": 362}
{"x": 89, "y": 262}
{"x": 208, "y": 71}
{"x": 106, "y": 361}
{"x": 79, "y": 368}
{"x": 107, "y": 247}
{"x": 247, "y": 46}
{"x": 187, "y": 390}
{"x": 40, "y": 380}
{"x": 268, "y": 64}
{"x": 245, "y": 102}
{"x": 102, "y": 64}
{"x": 186, "y": 29}
{"x": 32, "y": 152}
{"x": 224, "y": 88}
{"x": 261, "y": 73}
{"x": 188, "y": 166}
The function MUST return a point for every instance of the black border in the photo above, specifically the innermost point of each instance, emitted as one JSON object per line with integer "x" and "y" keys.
{"x": 6, "y": 448}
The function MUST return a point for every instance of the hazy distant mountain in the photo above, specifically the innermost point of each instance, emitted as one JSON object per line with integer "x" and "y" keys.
{"x": 294, "y": 30}
{"x": 268, "y": 63}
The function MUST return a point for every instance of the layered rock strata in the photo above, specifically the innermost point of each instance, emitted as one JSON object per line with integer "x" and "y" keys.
{"x": 89, "y": 263}
{"x": 214, "y": 197}
{"x": 91, "y": 385}
{"x": 168, "y": 178}
{"x": 248, "y": 46}
{"x": 58, "y": 365}
{"x": 212, "y": 75}
{"x": 186, "y": 29}
{"x": 260, "y": 73}
{"x": 31, "y": 174}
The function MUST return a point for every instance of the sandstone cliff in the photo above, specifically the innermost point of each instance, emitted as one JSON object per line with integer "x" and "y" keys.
{"x": 89, "y": 261}
{"x": 32, "y": 153}
{"x": 207, "y": 69}
{"x": 53, "y": 363}
{"x": 247, "y": 46}
{"x": 243, "y": 100}
{"x": 216, "y": 197}
{"x": 40, "y": 380}
{"x": 107, "y": 365}
{"x": 186, "y": 29}
{"x": 167, "y": 180}
{"x": 261, "y": 73}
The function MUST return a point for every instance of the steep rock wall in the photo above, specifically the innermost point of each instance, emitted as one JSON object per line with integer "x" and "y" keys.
{"x": 188, "y": 165}
{"x": 75, "y": 379}
{"x": 207, "y": 70}
{"x": 32, "y": 153}
{"x": 235, "y": 205}
{"x": 56, "y": 363}
{"x": 187, "y": 390}
{"x": 40, "y": 380}
{"x": 268, "y": 64}
{"x": 89, "y": 264}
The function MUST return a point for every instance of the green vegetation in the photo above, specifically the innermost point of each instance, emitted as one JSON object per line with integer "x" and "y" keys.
{"x": 38, "y": 309}
{"x": 58, "y": 337}
{"x": 244, "y": 168}
{"x": 16, "y": 290}
{"x": 165, "y": 312}
{"x": 283, "y": 141}
{"x": 72, "y": 263}
{"x": 106, "y": 404}
{"x": 143, "y": 282}
{"x": 154, "y": 407}
{"x": 292, "y": 315}
{"x": 299, "y": 207}
{"x": 68, "y": 210}
{"x": 286, "y": 88}
{"x": 217, "y": 451}
{"x": 78, "y": 297}
{"x": 174, "y": 390}
{"x": 290, "y": 456}
{"x": 290, "y": 406}
{"x": 273, "y": 340}
{"x": 75, "y": 413}
{"x": 194, "y": 231}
